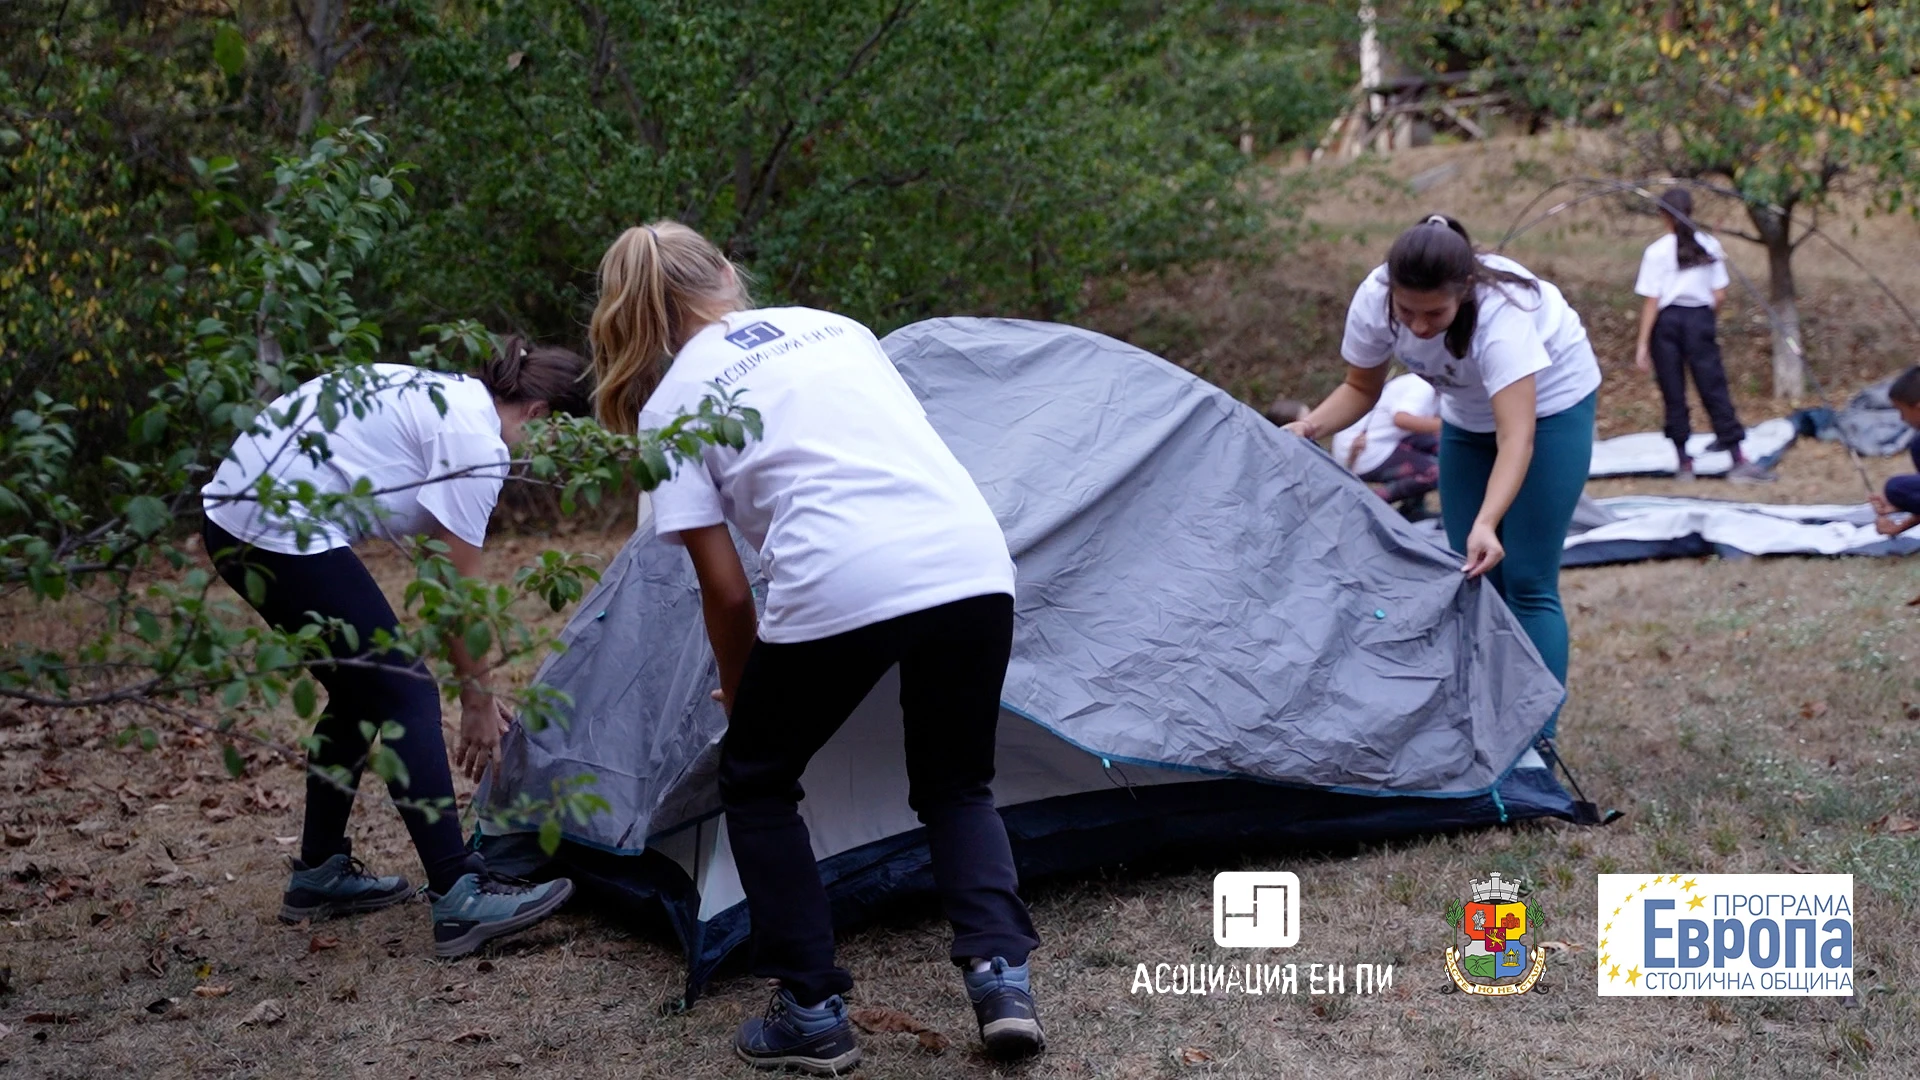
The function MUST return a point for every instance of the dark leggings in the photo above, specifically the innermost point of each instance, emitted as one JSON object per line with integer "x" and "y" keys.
{"x": 1684, "y": 340}
{"x": 792, "y": 698}
{"x": 298, "y": 589}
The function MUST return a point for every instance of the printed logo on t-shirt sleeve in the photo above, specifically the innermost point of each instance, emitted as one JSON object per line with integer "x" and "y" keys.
{"x": 754, "y": 335}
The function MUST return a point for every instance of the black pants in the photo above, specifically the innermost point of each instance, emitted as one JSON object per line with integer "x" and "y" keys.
{"x": 1684, "y": 340}
{"x": 1904, "y": 491}
{"x": 792, "y": 698}
{"x": 299, "y": 589}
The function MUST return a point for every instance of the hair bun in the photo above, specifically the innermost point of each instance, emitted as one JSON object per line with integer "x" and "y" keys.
{"x": 503, "y": 370}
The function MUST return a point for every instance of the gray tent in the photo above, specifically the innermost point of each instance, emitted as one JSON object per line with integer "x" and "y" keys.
{"x": 1222, "y": 637}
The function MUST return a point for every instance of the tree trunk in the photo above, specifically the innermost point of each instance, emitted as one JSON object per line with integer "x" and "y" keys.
{"x": 1789, "y": 355}
{"x": 322, "y": 26}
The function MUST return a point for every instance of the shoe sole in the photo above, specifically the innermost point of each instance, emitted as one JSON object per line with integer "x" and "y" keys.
{"x": 485, "y": 932}
{"x": 290, "y": 914}
{"x": 1007, "y": 1039}
{"x": 813, "y": 1066}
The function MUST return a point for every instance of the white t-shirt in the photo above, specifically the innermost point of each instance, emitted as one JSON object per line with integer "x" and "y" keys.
{"x": 1403, "y": 394}
{"x": 400, "y": 440}
{"x": 1662, "y": 278}
{"x": 1518, "y": 333}
{"x": 860, "y": 512}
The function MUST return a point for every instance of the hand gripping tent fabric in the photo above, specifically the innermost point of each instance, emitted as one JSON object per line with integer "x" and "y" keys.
{"x": 1223, "y": 641}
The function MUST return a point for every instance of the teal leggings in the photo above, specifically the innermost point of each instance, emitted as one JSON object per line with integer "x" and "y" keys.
{"x": 1534, "y": 531}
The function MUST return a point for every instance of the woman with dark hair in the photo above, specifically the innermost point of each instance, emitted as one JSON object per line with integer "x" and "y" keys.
{"x": 1683, "y": 276}
{"x": 433, "y": 447}
{"x": 1518, "y": 383}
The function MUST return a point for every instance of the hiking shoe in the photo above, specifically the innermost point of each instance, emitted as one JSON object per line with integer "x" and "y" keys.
{"x": 1722, "y": 446}
{"x": 1003, "y": 1003}
{"x": 339, "y": 886}
{"x": 791, "y": 1036}
{"x": 1748, "y": 472}
{"x": 481, "y": 907}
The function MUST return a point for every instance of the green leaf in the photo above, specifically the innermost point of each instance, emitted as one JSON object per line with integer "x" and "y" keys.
{"x": 379, "y": 187}
{"x": 229, "y": 50}
{"x": 149, "y": 426}
{"x": 236, "y": 765}
{"x": 147, "y": 515}
{"x": 149, "y": 739}
{"x": 550, "y": 835}
{"x": 479, "y": 639}
{"x": 305, "y": 700}
{"x": 234, "y": 694}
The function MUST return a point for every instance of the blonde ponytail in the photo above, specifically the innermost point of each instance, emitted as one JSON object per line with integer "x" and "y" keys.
{"x": 659, "y": 284}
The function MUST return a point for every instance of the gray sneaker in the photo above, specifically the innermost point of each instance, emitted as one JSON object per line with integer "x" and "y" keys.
{"x": 1002, "y": 999}
{"x": 1748, "y": 472}
{"x": 339, "y": 886}
{"x": 481, "y": 907}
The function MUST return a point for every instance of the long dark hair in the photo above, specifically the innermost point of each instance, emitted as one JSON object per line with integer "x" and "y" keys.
{"x": 520, "y": 371}
{"x": 1438, "y": 254}
{"x": 1676, "y": 205}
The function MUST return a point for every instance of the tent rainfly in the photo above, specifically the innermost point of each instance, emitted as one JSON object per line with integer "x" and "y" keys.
{"x": 1223, "y": 641}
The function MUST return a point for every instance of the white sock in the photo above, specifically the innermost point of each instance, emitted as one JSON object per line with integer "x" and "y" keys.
{"x": 977, "y": 965}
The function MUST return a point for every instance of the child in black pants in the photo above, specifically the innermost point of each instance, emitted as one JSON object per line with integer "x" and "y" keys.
{"x": 1899, "y": 509}
{"x": 879, "y": 551}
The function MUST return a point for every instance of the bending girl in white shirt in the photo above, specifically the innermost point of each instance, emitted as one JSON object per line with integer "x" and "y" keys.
{"x": 879, "y": 551}
{"x": 434, "y": 446}
{"x": 1518, "y": 385}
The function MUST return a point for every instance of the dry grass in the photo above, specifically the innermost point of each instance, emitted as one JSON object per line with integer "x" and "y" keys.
{"x": 1273, "y": 327}
{"x": 1749, "y": 716}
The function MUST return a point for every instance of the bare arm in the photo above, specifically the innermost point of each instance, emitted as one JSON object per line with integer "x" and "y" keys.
{"x": 1513, "y": 426}
{"x": 1643, "y": 350}
{"x": 1343, "y": 408}
{"x": 726, "y": 599}
{"x": 1419, "y": 425}
{"x": 1719, "y": 298}
{"x": 483, "y": 718}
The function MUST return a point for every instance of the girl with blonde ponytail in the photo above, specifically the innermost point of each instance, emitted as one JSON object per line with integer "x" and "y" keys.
{"x": 879, "y": 552}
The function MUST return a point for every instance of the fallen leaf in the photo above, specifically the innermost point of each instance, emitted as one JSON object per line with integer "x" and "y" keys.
{"x": 20, "y": 837}
{"x": 932, "y": 1041}
{"x": 212, "y": 991}
{"x": 161, "y": 1005}
{"x": 1551, "y": 947}
{"x": 1894, "y": 824}
{"x": 472, "y": 1035}
{"x": 218, "y": 814}
{"x": 322, "y": 942}
{"x": 1915, "y": 602}
{"x": 157, "y": 963}
{"x": 513, "y": 1061}
{"x": 1813, "y": 710}
{"x": 348, "y": 993}
{"x": 1192, "y": 1055}
{"x": 1719, "y": 1013}
{"x": 878, "y": 1021}
{"x": 265, "y": 1014}
{"x": 484, "y": 967}
{"x": 210, "y": 802}
{"x": 114, "y": 841}
{"x": 286, "y": 841}
{"x": 53, "y": 1018}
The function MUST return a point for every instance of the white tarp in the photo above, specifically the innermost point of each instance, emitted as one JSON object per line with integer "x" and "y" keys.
{"x": 1649, "y": 453}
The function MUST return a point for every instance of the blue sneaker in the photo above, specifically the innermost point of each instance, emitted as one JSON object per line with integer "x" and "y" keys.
{"x": 481, "y": 907}
{"x": 339, "y": 886}
{"x": 791, "y": 1036}
{"x": 1003, "y": 1003}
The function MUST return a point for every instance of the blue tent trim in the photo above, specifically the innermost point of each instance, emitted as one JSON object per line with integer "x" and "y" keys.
{"x": 1064, "y": 835}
